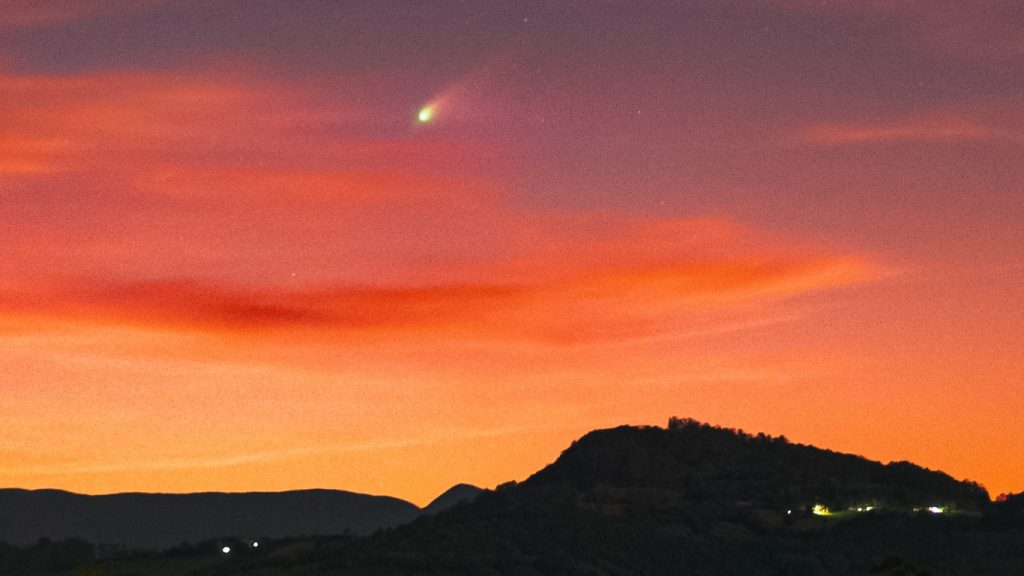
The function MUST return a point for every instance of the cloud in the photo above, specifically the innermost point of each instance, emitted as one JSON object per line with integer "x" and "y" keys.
{"x": 572, "y": 294}
{"x": 220, "y": 201}
{"x": 225, "y": 174}
{"x": 928, "y": 129}
{"x": 225, "y": 461}
{"x": 85, "y": 122}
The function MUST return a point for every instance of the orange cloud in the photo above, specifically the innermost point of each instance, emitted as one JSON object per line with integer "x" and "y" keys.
{"x": 255, "y": 193}
{"x": 573, "y": 294}
{"x": 87, "y": 121}
{"x": 132, "y": 174}
{"x": 931, "y": 129}
{"x": 137, "y": 122}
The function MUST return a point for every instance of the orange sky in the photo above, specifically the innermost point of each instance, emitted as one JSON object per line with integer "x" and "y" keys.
{"x": 233, "y": 260}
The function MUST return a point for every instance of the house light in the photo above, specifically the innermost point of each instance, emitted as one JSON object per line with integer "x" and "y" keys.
{"x": 820, "y": 510}
{"x": 936, "y": 509}
{"x": 226, "y": 549}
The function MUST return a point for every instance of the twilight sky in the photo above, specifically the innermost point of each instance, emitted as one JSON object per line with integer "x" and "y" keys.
{"x": 232, "y": 259}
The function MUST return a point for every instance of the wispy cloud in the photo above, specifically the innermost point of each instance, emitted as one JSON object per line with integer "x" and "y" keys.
{"x": 243, "y": 204}
{"x": 221, "y": 173}
{"x": 928, "y": 129}
{"x": 620, "y": 288}
{"x": 225, "y": 461}
{"x": 84, "y": 122}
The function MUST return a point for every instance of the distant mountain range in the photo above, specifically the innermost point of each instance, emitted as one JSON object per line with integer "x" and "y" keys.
{"x": 687, "y": 499}
{"x": 138, "y": 521}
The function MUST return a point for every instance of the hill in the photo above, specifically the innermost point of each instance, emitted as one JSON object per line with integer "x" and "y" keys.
{"x": 154, "y": 521}
{"x": 136, "y": 521}
{"x": 690, "y": 498}
{"x": 693, "y": 499}
{"x": 696, "y": 465}
{"x": 453, "y": 496}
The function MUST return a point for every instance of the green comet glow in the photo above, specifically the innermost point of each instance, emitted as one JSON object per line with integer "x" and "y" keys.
{"x": 425, "y": 114}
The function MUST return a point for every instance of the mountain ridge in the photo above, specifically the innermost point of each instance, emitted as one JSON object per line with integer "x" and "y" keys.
{"x": 705, "y": 460}
{"x": 144, "y": 520}
{"x": 698, "y": 499}
{"x": 453, "y": 496}
{"x": 689, "y": 498}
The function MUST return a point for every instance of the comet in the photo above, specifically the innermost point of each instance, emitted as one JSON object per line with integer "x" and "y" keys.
{"x": 464, "y": 95}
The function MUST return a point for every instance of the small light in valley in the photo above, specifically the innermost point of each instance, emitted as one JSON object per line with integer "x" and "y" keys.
{"x": 226, "y": 549}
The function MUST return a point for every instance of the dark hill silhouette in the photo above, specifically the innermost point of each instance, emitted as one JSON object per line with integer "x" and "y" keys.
{"x": 701, "y": 463}
{"x": 164, "y": 520}
{"x": 689, "y": 499}
{"x": 455, "y": 495}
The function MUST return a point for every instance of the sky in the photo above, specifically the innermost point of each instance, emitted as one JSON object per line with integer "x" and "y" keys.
{"x": 233, "y": 259}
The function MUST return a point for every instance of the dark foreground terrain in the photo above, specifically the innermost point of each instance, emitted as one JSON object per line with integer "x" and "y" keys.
{"x": 689, "y": 499}
{"x": 159, "y": 521}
